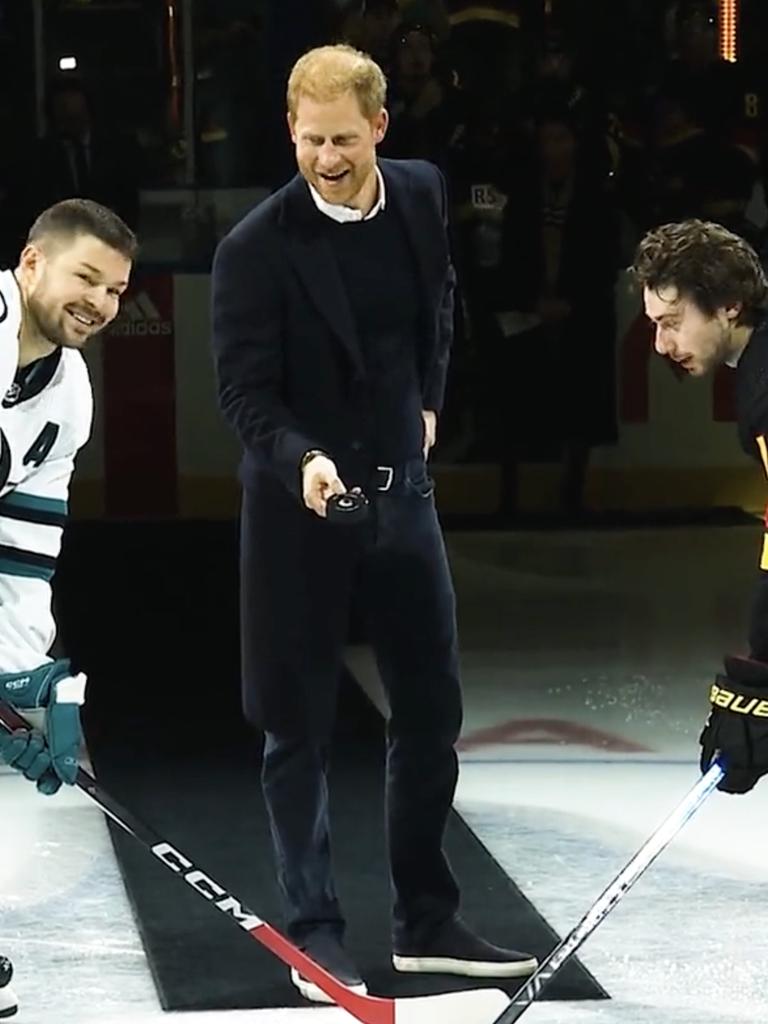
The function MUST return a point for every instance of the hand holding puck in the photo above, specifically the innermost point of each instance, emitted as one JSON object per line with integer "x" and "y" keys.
{"x": 351, "y": 507}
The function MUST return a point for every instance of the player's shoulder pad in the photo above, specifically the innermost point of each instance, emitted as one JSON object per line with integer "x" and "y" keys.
{"x": 10, "y": 298}
{"x": 10, "y": 324}
{"x": 76, "y": 384}
{"x": 10, "y": 308}
{"x": 752, "y": 379}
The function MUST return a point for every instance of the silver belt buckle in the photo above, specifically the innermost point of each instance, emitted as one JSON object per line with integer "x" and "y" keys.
{"x": 390, "y": 471}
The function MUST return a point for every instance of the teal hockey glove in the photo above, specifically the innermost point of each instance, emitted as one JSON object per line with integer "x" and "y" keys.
{"x": 46, "y": 756}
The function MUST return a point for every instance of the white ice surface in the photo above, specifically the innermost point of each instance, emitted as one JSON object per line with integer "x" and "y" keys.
{"x": 619, "y": 631}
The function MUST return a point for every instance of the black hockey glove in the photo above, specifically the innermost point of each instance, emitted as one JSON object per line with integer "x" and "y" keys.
{"x": 737, "y": 727}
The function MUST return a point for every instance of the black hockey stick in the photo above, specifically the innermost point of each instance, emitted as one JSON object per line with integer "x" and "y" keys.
{"x": 473, "y": 1006}
{"x": 605, "y": 903}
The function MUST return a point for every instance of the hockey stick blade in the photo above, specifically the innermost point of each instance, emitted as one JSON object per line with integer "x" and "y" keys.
{"x": 472, "y": 1006}
{"x": 605, "y": 903}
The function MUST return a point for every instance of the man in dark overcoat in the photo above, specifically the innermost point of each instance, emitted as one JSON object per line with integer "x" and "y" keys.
{"x": 332, "y": 323}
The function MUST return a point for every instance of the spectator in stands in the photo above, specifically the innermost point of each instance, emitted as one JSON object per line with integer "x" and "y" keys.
{"x": 80, "y": 156}
{"x": 422, "y": 104}
{"x": 560, "y": 257}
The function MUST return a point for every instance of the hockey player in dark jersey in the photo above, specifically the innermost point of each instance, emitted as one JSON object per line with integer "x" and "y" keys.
{"x": 706, "y": 292}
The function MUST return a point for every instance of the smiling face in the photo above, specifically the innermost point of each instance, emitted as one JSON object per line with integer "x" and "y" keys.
{"x": 73, "y": 287}
{"x": 697, "y": 342}
{"x": 336, "y": 148}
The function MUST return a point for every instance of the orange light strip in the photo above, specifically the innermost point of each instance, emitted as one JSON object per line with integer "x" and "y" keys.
{"x": 729, "y": 20}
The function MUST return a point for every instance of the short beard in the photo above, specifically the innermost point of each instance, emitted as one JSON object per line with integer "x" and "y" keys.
{"x": 47, "y": 329}
{"x": 42, "y": 324}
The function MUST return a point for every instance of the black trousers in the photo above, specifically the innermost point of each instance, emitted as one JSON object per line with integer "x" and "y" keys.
{"x": 396, "y": 565}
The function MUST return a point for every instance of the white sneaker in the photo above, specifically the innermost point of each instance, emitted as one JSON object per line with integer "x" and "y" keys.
{"x": 9, "y": 1004}
{"x": 330, "y": 954}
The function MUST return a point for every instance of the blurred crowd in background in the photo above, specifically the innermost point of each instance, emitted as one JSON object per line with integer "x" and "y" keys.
{"x": 564, "y": 130}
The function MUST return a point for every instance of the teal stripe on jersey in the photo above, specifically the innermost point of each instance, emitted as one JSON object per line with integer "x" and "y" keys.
{"x": 19, "y": 499}
{"x": 33, "y": 565}
{"x": 10, "y": 567}
{"x": 29, "y": 508}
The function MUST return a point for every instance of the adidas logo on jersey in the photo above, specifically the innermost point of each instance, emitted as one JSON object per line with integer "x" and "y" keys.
{"x": 140, "y": 317}
{"x": 12, "y": 394}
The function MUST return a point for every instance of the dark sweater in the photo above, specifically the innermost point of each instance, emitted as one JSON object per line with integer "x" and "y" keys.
{"x": 381, "y": 278}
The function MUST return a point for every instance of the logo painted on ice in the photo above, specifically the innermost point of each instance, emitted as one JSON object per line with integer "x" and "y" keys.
{"x": 140, "y": 317}
{"x": 205, "y": 885}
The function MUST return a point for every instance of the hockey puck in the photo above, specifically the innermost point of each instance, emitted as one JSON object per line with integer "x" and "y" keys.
{"x": 6, "y": 971}
{"x": 351, "y": 507}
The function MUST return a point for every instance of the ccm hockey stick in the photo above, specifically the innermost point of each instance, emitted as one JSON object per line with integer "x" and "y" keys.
{"x": 473, "y": 1006}
{"x": 605, "y": 903}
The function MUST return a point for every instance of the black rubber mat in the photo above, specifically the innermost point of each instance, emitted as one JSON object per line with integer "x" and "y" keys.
{"x": 150, "y": 614}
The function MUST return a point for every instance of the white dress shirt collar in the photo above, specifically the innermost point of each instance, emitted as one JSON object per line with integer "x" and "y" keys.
{"x": 347, "y": 214}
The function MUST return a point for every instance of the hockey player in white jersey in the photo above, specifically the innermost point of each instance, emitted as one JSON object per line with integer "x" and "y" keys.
{"x": 65, "y": 289}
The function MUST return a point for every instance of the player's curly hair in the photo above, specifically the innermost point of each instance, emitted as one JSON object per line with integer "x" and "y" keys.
{"x": 706, "y": 263}
{"x": 72, "y": 217}
{"x": 327, "y": 72}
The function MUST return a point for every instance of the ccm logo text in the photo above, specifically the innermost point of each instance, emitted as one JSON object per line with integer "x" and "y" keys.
{"x": 205, "y": 886}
